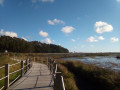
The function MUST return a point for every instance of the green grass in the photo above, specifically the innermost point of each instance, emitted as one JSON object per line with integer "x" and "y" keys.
{"x": 89, "y": 77}
{"x": 69, "y": 79}
{"x": 4, "y": 59}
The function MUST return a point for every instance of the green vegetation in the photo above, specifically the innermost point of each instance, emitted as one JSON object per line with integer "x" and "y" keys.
{"x": 4, "y": 59}
{"x": 88, "y": 77}
{"x": 22, "y": 46}
{"x": 69, "y": 79}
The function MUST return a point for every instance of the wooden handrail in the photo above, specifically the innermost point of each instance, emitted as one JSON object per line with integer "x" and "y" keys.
{"x": 27, "y": 64}
{"x": 58, "y": 79}
{"x": 7, "y": 73}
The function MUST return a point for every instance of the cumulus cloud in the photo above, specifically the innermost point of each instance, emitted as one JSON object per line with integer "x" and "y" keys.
{"x": 43, "y": 34}
{"x": 67, "y": 29}
{"x": 114, "y": 39}
{"x": 11, "y": 34}
{"x": 51, "y": 22}
{"x": 73, "y": 40}
{"x": 103, "y": 27}
{"x": 92, "y": 39}
{"x": 48, "y": 40}
{"x": 35, "y": 1}
{"x": 118, "y": 0}
{"x": 55, "y": 21}
{"x": 47, "y": 0}
{"x": 101, "y": 38}
{"x": 24, "y": 38}
{"x": 1, "y": 2}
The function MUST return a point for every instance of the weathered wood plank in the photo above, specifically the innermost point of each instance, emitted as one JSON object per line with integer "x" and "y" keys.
{"x": 37, "y": 78}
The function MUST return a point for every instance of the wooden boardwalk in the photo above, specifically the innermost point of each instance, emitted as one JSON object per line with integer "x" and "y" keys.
{"x": 37, "y": 78}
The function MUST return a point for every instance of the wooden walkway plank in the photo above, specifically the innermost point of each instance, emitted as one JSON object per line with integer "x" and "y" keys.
{"x": 37, "y": 78}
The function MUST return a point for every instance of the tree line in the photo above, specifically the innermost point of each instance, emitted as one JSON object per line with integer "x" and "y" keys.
{"x": 13, "y": 44}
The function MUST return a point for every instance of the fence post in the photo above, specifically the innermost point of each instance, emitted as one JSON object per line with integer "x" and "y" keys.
{"x": 58, "y": 82}
{"x": 50, "y": 66}
{"x": 55, "y": 68}
{"x": 26, "y": 65}
{"x": 7, "y": 76}
{"x": 30, "y": 63}
{"x": 47, "y": 61}
{"x": 22, "y": 67}
{"x": 63, "y": 85}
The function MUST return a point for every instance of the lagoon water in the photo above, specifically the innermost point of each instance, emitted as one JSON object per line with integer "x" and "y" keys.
{"x": 101, "y": 61}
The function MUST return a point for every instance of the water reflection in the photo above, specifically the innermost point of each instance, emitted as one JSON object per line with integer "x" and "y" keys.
{"x": 104, "y": 62}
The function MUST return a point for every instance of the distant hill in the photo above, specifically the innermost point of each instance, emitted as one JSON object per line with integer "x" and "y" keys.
{"x": 13, "y": 44}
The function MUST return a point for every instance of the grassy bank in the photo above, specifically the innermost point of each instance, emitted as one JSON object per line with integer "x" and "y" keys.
{"x": 69, "y": 79}
{"x": 4, "y": 59}
{"x": 88, "y": 77}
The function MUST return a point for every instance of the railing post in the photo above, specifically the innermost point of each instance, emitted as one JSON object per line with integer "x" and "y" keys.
{"x": 22, "y": 67}
{"x": 50, "y": 66}
{"x": 26, "y": 65}
{"x": 47, "y": 61}
{"x": 7, "y": 76}
{"x": 63, "y": 85}
{"x": 55, "y": 68}
{"x": 58, "y": 81}
{"x": 30, "y": 63}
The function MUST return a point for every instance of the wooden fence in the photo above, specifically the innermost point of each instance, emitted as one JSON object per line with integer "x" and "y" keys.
{"x": 27, "y": 64}
{"x": 56, "y": 76}
{"x": 58, "y": 79}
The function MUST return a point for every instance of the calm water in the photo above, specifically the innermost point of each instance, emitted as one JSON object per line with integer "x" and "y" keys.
{"x": 104, "y": 62}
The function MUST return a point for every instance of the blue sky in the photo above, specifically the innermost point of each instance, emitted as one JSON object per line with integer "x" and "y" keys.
{"x": 79, "y": 25}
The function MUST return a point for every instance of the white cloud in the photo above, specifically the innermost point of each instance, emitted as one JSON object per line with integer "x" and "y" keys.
{"x": 59, "y": 44}
{"x": 48, "y": 40}
{"x": 92, "y": 39}
{"x": 24, "y": 38}
{"x": 118, "y": 0}
{"x": 1, "y": 2}
{"x": 11, "y": 34}
{"x": 103, "y": 27}
{"x": 73, "y": 40}
{"x": 35, "y": 1}
{"x": 101, "y": 38}
{"x": 43, "y": 34}
{"x": 51, "y": 22}
{"x": 67, "y": 29}
{"x": 114, "y": 39}
{"x": 55, "y": 21}
{"x": 47, "y": 0}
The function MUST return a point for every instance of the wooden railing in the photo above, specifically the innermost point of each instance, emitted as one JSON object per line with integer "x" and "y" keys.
{"x": 58, "y": 79}
{"x": 56, "y": 76}
{"x": 25, "y": 66}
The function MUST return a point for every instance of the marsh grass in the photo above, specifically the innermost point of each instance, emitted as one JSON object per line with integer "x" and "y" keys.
{"x": 89, "y": 77}
{"x": 4, "y": 60}
{"x": 69, "y": 79}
